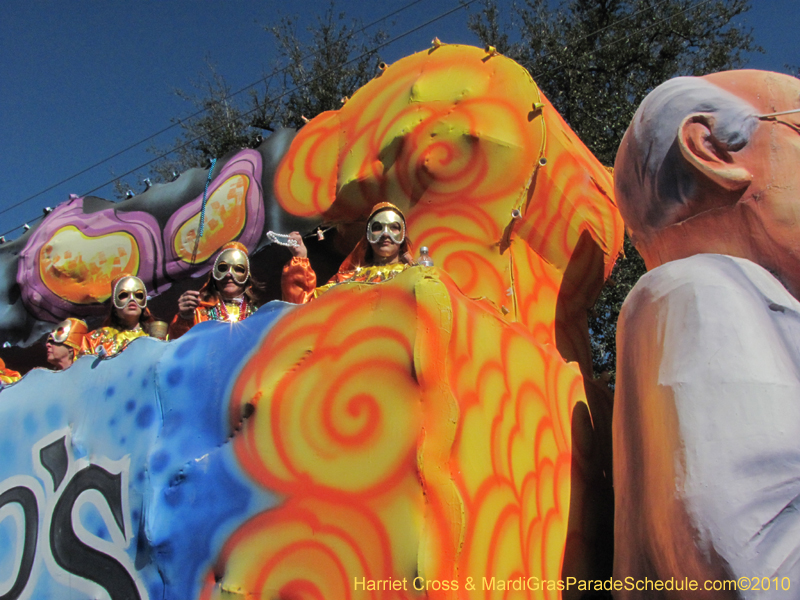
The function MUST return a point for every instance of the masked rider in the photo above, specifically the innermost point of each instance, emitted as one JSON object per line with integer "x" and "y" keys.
{"x": 64, "y": 343}
{"x": 229, "y": 294}
{"x": 127, "y": 312}
{"x": 384, "y": 252}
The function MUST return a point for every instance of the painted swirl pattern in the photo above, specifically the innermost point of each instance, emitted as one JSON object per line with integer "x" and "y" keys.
{"x": 521, "y": 222}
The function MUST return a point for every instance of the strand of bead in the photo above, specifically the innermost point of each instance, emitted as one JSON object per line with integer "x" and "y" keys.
{"x": 203, "y": 211}
{"x": 281, "y": 239}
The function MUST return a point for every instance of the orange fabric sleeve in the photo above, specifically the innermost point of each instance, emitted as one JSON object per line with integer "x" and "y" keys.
{"x": 298, "y": 281}
{"x": 179, "y": 326}
{"x": 8, "y": 375}
{"x": 87, "y": 347}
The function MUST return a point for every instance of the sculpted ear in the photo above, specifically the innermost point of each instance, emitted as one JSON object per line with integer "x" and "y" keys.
{"x": 709, "y": 155}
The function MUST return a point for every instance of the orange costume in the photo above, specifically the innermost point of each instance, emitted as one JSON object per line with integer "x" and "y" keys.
{"x": 8, "y": 375}
{"x": 298, "y": 280}
{"x": 111, "y": 339}
{"x": 213, "y": 310}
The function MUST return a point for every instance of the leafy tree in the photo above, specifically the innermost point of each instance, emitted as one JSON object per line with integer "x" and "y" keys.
{"x": 310, "y": 77}
{"x": 223, "y": 124}
{"x": 317, "y": 76}
{"x": 596, "y": 60}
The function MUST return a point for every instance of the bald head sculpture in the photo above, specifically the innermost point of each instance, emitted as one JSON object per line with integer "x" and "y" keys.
{"x": 706, "y": 166}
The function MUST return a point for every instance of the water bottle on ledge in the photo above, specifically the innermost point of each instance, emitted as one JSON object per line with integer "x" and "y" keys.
{"x": 425, "y": 259}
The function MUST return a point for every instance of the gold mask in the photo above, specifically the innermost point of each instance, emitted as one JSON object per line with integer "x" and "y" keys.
{"x": 69, "y": 332}
{"x": 128, "y": 288}
{"x": 234, "y": 261}
{"x": 61, "y": 333}
{"x": 386, "y": 222}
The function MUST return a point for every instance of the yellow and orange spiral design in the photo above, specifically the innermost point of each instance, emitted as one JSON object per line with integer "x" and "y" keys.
{"x": 438, "y": 434}
{"x": 436, "y": 415}
{"x": 327, "y": 386}
{"x": 459, "y": 139}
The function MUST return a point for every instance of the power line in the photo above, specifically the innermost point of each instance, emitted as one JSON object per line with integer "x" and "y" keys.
{"x": 463, "y": 5}
{"x": 197, "y": 113}
{"x": 288, "y": 91}
{"x": 612, "y": 43}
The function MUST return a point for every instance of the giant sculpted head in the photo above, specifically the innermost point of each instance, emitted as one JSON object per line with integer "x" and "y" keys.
{"x": 707, "y": 155}
{"x": 706, "y": 403}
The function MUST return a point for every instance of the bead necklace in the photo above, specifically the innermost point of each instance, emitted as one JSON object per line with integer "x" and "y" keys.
{"x": 220, "y": 312}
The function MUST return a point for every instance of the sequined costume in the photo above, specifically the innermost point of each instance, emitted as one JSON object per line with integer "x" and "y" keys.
{"x": 111, "y": 339}
{"x": 232, "y": 260}
{"x": 298, "y": 279}
{"x": 125, "y": 290}
{"x": 232, "y": 311}
{"x": 8, "y": 375}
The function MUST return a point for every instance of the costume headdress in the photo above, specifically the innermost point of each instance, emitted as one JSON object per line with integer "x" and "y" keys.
{"x": 357, "y": 258}
{"x": 69, "y": 332}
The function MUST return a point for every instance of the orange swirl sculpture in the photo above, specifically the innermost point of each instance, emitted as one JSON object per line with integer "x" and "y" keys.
{"x": 431, "y": 436}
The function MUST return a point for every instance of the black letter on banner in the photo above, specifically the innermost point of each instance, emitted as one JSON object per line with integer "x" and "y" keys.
{"x": 75, "y": 557}
{"x": 26, "y": 499}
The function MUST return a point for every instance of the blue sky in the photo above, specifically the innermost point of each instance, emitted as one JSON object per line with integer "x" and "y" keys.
{"x": 81, "y": 80}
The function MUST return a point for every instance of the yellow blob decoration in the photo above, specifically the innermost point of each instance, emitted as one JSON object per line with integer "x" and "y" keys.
{"x": 226, "y": 213}
{"x": 78, "y": 268}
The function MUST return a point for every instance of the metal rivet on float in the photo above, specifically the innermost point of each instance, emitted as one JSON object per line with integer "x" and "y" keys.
{"x": 382, "y": 67}
{"x": 516, "y": 214}
{"x": 2, "y": 239}
{"x": 542, "y": 161}
{"x": 47, "y": 210}
{"x": 492, "y": 51}
{"x": 129, "y": 194}
{"x": 320, "y": 234}
{"x": 26, "y": 227}
{"x": 436, "y": 42}
{"x": 147, "y": 184}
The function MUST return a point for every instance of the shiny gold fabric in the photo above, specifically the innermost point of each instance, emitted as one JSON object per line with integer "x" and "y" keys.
{"x": 298, "y": 281}
{"x": 109, "y": 338}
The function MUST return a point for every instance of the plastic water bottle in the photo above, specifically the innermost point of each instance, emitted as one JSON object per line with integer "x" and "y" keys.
{"x": 425, "y": 259}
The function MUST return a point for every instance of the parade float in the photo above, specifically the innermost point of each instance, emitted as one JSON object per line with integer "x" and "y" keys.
{"x": 438, "y": 435}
